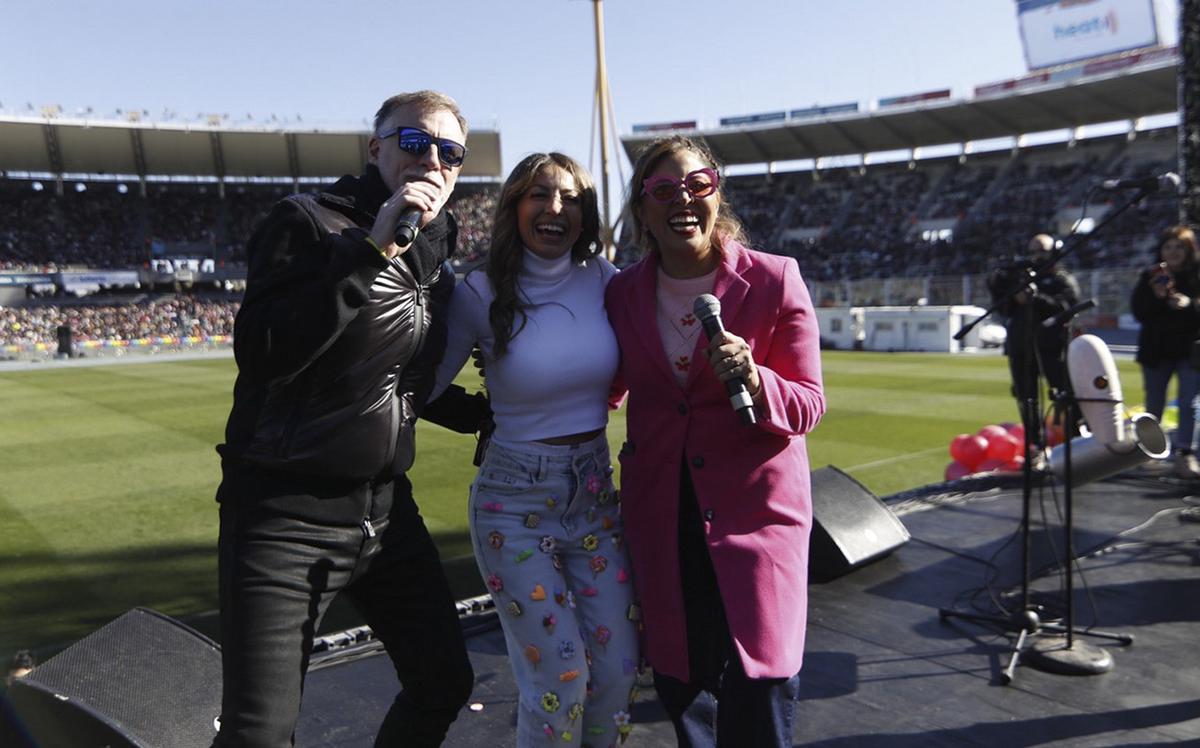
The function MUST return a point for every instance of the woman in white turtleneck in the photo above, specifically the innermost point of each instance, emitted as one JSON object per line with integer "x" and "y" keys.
{"x": 544, "y": 517}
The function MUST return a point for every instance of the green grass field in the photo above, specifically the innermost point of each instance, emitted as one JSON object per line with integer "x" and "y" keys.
{"x": 108, "y": 474}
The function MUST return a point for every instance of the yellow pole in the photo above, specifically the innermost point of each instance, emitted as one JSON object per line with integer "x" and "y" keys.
{"x": 602, "y": 99}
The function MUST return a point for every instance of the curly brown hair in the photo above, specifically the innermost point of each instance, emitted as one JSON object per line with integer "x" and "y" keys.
{"x": 507, "y": 249}
{"x": 727, "y": 227}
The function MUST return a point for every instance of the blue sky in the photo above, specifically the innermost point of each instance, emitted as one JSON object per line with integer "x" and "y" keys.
{"x": 526, "y": 67}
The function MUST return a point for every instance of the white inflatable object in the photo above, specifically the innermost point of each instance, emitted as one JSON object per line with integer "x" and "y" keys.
{"x": 1097, "y": 387}
{"x": 1114, "y": 444}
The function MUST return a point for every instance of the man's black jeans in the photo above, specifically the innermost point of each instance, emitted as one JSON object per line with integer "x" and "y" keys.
{"x": 288, "y": 546}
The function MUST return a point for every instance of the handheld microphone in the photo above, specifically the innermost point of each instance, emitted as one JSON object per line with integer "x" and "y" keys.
{"x": 407, "y": 227}
{"x": 1168, "y": 182}
{"x": 707, "y": 309}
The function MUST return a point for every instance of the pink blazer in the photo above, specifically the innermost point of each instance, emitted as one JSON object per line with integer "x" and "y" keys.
{"x": 752, "y": 482}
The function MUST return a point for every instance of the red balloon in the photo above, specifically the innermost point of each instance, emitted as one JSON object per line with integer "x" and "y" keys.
{"x": 969, "y": 449}
{"x": 987, "y": 432}
{"x": 1002, "y": 447}
{"x": 1016, "y": 430}
{"x": 988, "y": 466}
{"x": 1015, "y": 465}
{"x": 1054, "y": 432}
{"x": 956, "y": 470}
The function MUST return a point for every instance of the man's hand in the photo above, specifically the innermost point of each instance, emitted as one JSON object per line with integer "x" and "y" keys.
{"x": 415, "y": 195}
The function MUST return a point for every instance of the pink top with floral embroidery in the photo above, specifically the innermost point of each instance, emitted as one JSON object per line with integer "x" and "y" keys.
{"x": 677, "y": 324}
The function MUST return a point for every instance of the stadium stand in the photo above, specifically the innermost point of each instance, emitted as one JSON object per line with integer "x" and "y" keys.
{"x": 864, "y": 229}
{"x": 177, "y": 231}
{"x": 121, "y": 322}
{"x": 874, "y": 221}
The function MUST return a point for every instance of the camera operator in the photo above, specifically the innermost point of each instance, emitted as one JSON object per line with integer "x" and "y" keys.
{"x": 1054, "y": 292}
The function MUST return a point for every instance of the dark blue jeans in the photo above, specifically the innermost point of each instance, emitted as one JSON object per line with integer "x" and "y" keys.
{"x": 719, "y": 705}
{"x": 740, "y": 713}
{"x": 288, "y": 546}
{"x": 1156, "y": 380}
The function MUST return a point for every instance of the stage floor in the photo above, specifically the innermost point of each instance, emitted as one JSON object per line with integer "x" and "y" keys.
{"x": 884, "y": 668}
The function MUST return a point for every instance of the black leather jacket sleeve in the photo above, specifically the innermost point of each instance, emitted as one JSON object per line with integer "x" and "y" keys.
{"x": 454, "y": 409}
{"x": 460, "y": 411}
{"x": 303, "y": 286}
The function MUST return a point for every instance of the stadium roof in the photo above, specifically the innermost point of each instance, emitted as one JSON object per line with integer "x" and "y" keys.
{"x": 1038, "y": 103}
{"x": 79, "y": 146}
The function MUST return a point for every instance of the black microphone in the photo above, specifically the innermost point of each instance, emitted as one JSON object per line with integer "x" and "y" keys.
{"x": 407, "y": 227}
{"x": 1168, "y": 182}
{"x": 708, "y": 310}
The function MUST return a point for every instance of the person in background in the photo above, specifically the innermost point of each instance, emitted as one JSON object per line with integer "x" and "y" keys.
{"x": 336, "y": 344}
{"x": 1165, "y": 302}
{"x": 544, "y": 516}
{"x": 717, "y": 514}
{"x": 1031, "y": 347}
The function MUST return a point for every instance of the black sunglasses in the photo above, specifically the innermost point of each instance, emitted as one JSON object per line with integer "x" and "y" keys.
{"x": 417, "y": 142}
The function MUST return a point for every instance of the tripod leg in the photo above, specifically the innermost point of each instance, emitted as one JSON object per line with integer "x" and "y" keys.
{"x": 1010, "y": 670}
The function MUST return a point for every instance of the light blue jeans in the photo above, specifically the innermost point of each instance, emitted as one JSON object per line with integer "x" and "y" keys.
{"x": 545, "y": 523}
{"x": 1155, "y": 379}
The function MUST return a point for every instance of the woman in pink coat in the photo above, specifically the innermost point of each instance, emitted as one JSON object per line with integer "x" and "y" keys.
{"x": 717, "y": 514}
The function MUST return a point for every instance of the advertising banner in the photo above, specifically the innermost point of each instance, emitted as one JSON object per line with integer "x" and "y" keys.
{"x": 1057, "y": 32}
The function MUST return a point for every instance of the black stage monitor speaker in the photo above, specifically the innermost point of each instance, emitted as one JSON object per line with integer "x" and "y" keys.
{"x": 851, "y": 527}
{"x": 142, "y": 681}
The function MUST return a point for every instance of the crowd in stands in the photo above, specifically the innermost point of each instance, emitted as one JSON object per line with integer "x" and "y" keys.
{"x": 118, "y": 319}
{"x": 104, "y": 227}
{"x": 933, "y": 217}
{"x": 474, "y": 213}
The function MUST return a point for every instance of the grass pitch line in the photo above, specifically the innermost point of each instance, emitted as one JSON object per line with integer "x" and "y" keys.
{"x": 897, "y": 458}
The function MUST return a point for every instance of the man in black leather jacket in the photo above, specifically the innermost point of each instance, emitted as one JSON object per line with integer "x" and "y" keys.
{"x": 336, "y": 343}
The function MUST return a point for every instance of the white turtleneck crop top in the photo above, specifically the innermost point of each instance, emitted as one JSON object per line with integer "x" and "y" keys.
{"x": 555, "y": 378}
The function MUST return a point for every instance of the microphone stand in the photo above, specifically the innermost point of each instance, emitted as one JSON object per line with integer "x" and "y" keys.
{"x": 1076, "y": 657}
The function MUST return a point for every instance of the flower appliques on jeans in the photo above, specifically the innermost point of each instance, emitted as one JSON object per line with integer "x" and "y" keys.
{"x": 594, "y": 484}
{"x": 603, "y": 635}
{"x": 621, "y": 720}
